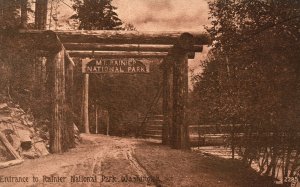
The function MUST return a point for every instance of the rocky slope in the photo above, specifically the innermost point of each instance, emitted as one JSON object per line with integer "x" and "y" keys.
{"x": 27, "y": 138}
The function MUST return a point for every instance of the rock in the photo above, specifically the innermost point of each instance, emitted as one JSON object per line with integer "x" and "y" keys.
{"x": 31, "y": 129}
{"x": 41, "y": 149}
{"x": 36, "y": 138}
{"x": 22, "y": 134}
{"x": 25, "y": 135}
{"x": 25, "y": 138}
{"x": 30, "y": 123}
{"x": 6, "y": 119}
{"x": 44, "y": 135}
{"x": 4, "y": 114}
{"x": 26, "y": 120}
{"x": 8, "y": 131}
{"x": 3, "y": 106}
{"x": 4, "y": 127}
{"x": 17, "y": 125}
{"x": 26, "y": 145}
{"x": 30, "y": 153}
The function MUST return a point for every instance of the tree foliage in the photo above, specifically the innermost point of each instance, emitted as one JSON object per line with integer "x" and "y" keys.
{"x": 9, "y": 14}
{"x": 253, "y": 75}
{"x": 96, "y": 15}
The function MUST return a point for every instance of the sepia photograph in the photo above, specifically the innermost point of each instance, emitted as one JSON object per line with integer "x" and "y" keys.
{"x": 162, "y": 93}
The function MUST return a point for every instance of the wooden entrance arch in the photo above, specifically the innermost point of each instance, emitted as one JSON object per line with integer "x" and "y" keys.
{"x": 174, "y": 48}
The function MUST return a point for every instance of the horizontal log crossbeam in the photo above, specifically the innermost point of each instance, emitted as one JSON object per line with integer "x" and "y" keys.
{"x": 118, "y": 54}
{"x": 121, "y": 37}
{"x": 110, "y": 54}
{"x": 122, "y": 44}
{"x": 123, "y": 47}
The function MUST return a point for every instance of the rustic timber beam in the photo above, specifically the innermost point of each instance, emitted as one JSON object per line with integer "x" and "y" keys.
{"x": 122, "y": 37}
{"x": 110, "y": 54}
{"x": 123, "y": 47}
{"x": 12, "y": 151}
{"x": 9, "y": 147}
{"x": 117, "y": 54}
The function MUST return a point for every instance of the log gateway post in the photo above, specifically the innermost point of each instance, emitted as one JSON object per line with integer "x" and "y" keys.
{"x": 85, "y": 103}
{"x": 175, "y": 97}
{"x": 167, "y": 69}
{"x": 60, "y": 80}
{"x": 69, "y": 129}
{"x": 58, "y": 102}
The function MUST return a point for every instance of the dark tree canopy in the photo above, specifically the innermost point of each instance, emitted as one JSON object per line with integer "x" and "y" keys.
{"x": 252, "y": 76}
{"x": 9, "y": 14}
{"x": 96, "y": 15}
{"x": 256, "y": 60}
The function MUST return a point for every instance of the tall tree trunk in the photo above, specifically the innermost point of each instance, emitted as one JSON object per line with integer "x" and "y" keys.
{"x": 40, "y": 72}
{"x": 41, "y": 7}
{"x": 24, "y": 13}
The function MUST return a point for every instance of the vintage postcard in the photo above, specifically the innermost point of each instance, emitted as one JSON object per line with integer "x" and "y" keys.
{"x": 150, "y": 93}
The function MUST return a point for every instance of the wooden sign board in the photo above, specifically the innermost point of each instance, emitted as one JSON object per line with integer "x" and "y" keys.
{"x": 123, "y": 65}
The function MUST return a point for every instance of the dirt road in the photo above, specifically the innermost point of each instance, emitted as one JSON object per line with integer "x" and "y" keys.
{"x": 99, "y": 161}
{"x": 113, "y": 161}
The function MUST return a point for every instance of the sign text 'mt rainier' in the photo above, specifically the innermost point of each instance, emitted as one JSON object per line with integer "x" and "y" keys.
{"x": 128, "y": 65}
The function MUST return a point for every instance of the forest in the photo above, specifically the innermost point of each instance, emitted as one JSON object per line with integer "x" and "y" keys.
{"x": 251, "y": 76}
